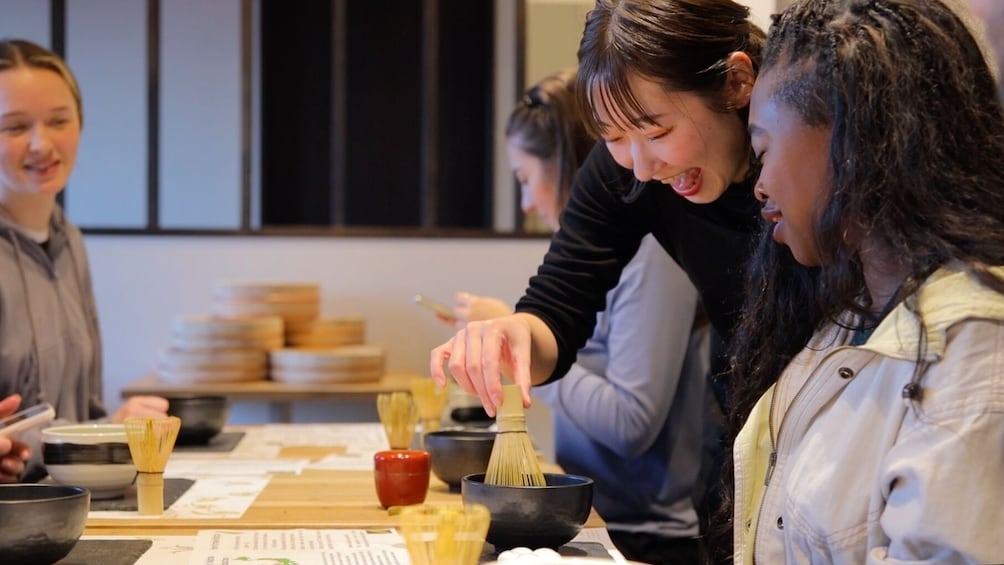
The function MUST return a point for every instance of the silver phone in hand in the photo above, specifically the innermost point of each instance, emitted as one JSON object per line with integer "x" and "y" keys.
{"x": 442, "y": 310}
{"x": 27, "y": 418}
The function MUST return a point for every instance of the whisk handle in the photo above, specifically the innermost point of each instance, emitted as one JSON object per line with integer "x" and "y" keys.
{"x": 150, "y": 493}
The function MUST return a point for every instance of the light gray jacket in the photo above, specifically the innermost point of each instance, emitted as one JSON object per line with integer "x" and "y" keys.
{"x": 50, "y": 347}
{"x": 864, "y": 474}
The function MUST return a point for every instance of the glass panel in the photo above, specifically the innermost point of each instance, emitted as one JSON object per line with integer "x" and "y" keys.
{"x": 109, "y": 185}
{"x": 200, "y": 114}
{"x": 25, "y": 20}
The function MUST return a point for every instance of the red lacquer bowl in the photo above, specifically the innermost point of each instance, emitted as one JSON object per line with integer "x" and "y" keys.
{"x": 401, "y": 476}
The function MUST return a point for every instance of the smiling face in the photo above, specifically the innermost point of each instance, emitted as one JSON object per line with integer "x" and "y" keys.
{"x": 794, "y": 180}
{"x": 684, "y": 144}
{"x": 39, "y": 131}
{"x": 538, "y": 182}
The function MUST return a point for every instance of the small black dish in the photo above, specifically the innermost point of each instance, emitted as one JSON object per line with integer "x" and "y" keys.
{"x": 202, "y": 417}
{"x": 458, "y": 453}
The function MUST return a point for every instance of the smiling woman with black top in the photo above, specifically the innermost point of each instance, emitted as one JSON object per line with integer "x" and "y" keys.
{"x": 667, "y": 86}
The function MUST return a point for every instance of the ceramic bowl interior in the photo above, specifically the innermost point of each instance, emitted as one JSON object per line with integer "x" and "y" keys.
{"x": 202, "y": 417}
{"x": 93, "y": 456}
{"x": 40, "y": 523}
{"x": 547, "y": 516}
{"x": 458, "y": 453}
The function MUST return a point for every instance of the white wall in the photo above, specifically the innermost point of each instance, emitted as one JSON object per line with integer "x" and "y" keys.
{"x": 762, "y": 9}
{"x": 142, "y": 282}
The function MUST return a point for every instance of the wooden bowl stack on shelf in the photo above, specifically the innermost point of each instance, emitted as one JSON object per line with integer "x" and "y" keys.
{"x": 326, "y": 333}
{"x": 265, "y": 330}
{"x": 293, "y": 302}
{"x": 207, "y": 349}
{"x": 346, "y": 364}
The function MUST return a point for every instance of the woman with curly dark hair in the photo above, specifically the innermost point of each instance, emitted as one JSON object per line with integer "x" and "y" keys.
{"x": 882, "y": 148}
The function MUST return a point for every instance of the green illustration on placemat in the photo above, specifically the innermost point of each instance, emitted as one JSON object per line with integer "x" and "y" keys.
{"x": 269, "y": 560}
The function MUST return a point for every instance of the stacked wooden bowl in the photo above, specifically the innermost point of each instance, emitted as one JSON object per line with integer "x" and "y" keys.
{"x": 206, "y": 349}
{"x": 293, "y": 302}
{"x": 326, "y": 332}
{"x": 347, "y": 364}
{"x": 262, "y": 330}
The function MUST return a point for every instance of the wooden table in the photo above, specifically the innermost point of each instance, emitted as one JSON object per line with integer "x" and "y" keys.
{"x": 314, "y": 499}
{"x": 279, "y": 395}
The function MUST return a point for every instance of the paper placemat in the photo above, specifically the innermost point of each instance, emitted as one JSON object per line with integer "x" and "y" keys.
{"x": 209, "y": 497}
{"x": 173, "y": 489}
{"x": 343, "y": 546}
{"x": 106, "y": 552}
{"x": 223, "y": 442}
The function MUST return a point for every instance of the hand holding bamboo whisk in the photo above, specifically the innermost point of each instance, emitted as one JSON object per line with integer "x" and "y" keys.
{"x": 150, "y": 443}
{"x": 513, "y": 461}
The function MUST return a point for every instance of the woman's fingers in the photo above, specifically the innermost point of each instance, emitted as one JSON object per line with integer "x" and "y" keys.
{"x": 9, "y": 405}
{"x": 476, "y": 352}
{"x": 141, "y": 407}
{"x": 15, "y": 453}
{"x": 437, "y": 359}
{"x": 481, "y": 353}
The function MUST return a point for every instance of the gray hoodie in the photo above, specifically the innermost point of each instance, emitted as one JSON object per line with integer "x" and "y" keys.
{"x": 50, "y": 347}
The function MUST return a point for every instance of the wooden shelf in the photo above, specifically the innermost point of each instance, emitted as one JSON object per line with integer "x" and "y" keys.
{"x": 271, "y": 390}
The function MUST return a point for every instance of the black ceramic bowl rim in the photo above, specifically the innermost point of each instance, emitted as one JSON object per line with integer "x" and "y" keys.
{"x": 46, "y": 492}
{"x": 463, "y": 435}
{"x": 573, "y": 481}
{"x": 197, "y": 399}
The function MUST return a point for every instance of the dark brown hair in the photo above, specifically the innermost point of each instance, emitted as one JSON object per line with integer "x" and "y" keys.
{"x": 547, "y": 124}
{"x": 682, "y": 45}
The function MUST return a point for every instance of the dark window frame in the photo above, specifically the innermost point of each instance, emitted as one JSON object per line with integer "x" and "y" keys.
{"x": 427, "y": 226}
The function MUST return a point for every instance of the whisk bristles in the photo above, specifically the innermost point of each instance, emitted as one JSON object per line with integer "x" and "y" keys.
{"x": 398, "y": 414}
{"x": 513, "y": 461}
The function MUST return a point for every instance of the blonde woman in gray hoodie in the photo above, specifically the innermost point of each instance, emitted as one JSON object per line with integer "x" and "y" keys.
{"x": 50, "y": 347}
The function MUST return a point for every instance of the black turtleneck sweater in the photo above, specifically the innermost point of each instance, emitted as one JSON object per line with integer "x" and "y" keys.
{"x": 600, "y": 232}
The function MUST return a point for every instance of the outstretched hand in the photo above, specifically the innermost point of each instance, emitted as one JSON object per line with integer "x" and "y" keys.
{"x": 141, "y": 407}
{"x": 481, "y": 352}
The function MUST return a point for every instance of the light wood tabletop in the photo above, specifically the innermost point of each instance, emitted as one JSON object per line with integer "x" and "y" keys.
{"x": 315, "y": 498}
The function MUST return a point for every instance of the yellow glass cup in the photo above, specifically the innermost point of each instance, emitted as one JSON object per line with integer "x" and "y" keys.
{"x": 449, "y": 534}
{"x": 399, "y": 415}
{"x": 430, "y": 400}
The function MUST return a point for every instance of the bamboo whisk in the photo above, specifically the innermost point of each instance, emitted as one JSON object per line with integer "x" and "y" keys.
{"x": 150, "y": 443}
{"x": 513, "y": 461}
{"x": 398, "y": 414}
